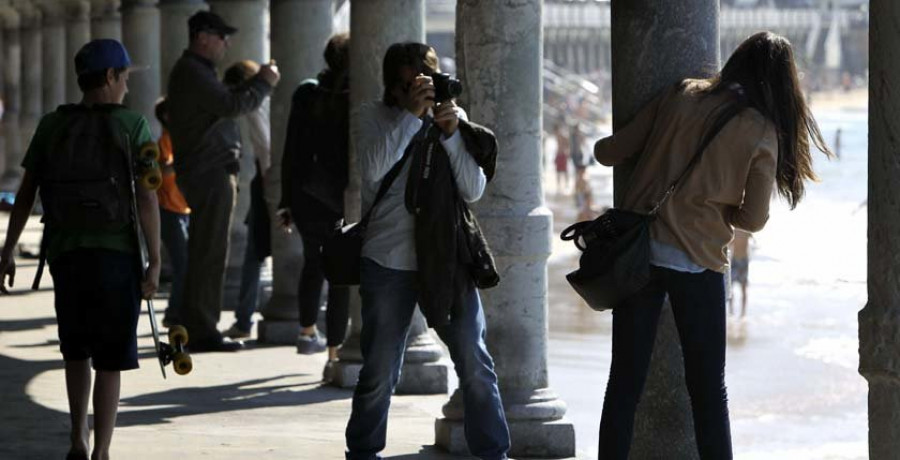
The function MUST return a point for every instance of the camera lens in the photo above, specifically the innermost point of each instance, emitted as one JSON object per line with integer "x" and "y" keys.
{"x": 446, "y": 87}
{"x": 454, "y": 88}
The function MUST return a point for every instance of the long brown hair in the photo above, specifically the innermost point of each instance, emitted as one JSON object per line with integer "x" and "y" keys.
{"x": 763, "y": 69}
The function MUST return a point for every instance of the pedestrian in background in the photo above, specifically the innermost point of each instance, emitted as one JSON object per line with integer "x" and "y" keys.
{"x": 561, "y": 160}
{"x": 740, "y": 267}
{"x": 174, "y": 218}
{"x": 313, "y": 179}
{"x": 206, "y": 143}
{"x": 255, "y": 143}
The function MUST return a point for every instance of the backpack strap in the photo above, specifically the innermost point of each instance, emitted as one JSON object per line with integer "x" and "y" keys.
{"x": 42, "y": 259}
{"x": 394, "y": 172}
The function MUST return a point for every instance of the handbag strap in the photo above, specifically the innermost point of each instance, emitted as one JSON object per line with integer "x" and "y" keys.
{"x": 730, "y": 112}
{"x": 395, "y": 171}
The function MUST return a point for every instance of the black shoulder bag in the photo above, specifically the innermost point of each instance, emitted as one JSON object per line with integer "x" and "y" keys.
{"x": 342, "y": 250}
{"x": 615, "y": 259}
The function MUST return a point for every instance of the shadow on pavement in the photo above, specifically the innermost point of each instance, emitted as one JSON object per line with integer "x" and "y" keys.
{"x": 28, "y": 429}
{"x": 48, "y": 343}
{"x": 428, "y": 453}
{"x": 20, "y": 325}
{"x": 45, "y": 287}
{"x": 247, "y": 395}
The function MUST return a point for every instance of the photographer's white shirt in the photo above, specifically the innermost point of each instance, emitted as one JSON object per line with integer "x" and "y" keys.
{"x": 382, "y": 135}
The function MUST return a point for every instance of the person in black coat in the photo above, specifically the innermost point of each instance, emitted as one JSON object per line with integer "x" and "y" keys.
{"x": 313, "y": 178}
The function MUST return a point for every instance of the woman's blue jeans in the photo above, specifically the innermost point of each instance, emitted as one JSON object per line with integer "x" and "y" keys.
{"x": 698, "y": 302}
{"x": 388, "y": 303}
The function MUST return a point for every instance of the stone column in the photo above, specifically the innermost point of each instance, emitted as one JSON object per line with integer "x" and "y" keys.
{"x": 106, "y": 22}
{"x": 32, "y": 83}
{"x": 78, "y": 32}
{"x": 879, "y": 321}
{"x": 173, "y": 21}
{"x": 518, "y": 226}
{"x": 12, "y": 97}
{"x": 141, "y": 37}
{"x": 300, "y": 29}
{"x": 3, "y": 127}
{"x": 379, "y": 24}
{"x": 54, "y": 56}
{"x": 250, "y": 42}
{"x": 683, "y": 40}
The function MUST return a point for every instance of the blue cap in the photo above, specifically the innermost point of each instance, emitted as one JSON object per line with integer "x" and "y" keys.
{"x": 102, "y": 54}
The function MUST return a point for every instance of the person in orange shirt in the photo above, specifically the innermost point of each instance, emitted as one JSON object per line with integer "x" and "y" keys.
{"x": 174, "y": 216}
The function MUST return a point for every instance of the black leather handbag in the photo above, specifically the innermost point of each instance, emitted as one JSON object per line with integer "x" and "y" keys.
{"x": 615, "y": 259}
{"x": 342, "y": 250}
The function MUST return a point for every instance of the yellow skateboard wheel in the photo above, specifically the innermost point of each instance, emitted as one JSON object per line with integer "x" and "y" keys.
{"x": 149, "y": 151}
{"x": 182, "y": 363}
{"x": 151, "y": 179}
{"x": 178, "y": 334}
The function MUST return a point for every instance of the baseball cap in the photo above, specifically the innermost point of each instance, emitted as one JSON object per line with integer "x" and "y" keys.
{"x": 99, "y": 55}
{"x": 205, "y": 21}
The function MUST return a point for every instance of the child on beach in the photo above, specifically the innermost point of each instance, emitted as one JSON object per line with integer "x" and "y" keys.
{"x": 740, "y": 265}
{"x": 78, "y": 161}
{"x": 561, "y": 161}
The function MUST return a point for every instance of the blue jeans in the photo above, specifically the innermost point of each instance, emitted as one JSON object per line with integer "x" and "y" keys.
{"x": 388, "y": 303}
{"x": 173, "y": 230}
{"x": 698, "y": 302}
{"x": 248, "y": 296}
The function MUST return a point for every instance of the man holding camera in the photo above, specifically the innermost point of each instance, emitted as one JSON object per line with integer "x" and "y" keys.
{"x": 415, "y": 149}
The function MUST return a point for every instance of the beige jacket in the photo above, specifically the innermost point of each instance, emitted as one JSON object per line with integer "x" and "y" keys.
{"x": 731, "y": 186}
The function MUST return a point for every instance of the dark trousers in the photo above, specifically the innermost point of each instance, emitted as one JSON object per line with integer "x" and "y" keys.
{"x": 388, "y": 302}
{"x": 311, "y": 281}
{"x": 173, "y": 230}
{"x": 211, "y": 196}
{"x": 248, "y": 295}
{"x": 698, "y": 302}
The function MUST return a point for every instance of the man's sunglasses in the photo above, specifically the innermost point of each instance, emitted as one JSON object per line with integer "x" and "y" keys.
{"x": 216, "y": 32}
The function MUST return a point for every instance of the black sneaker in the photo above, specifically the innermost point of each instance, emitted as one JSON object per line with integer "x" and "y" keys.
{"x": 222, "y": 345}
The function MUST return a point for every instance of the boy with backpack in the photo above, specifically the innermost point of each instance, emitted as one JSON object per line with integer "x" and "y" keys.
{"x": 80, "y": 160}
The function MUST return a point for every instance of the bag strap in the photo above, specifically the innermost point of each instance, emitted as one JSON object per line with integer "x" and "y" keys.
{"x": 395, "y": 171}
{"x": 730, "y": 112}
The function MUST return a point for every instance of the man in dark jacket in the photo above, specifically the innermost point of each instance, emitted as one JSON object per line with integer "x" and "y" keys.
{"x": 206, "y": 142}
{"x": 393, "y": 265}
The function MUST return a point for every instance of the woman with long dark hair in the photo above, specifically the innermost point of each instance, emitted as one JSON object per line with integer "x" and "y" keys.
{"x": 759, "y": 129}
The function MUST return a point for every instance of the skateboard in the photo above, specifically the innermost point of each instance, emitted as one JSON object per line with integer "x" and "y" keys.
{"x": 146, "y": 172}
{"x": 172, "y": 352}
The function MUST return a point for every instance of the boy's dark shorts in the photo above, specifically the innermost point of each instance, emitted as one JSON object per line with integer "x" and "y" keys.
{"x": 98, "y": 302}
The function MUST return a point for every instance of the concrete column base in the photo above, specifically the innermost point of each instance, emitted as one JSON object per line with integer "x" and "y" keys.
{"x": 415, "y": 379}
{"x": 423, "y": 372}
{"x": 275, "y": 332}
{"x": 536, "y": 439}
{"x": 344, "y": 374}
{"x": 537, "y": 426}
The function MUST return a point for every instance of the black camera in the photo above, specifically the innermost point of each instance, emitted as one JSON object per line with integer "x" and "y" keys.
{"x": 445, "y": 87}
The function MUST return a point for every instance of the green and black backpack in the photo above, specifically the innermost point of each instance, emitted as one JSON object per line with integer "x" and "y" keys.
{"x": 85, "y": 175}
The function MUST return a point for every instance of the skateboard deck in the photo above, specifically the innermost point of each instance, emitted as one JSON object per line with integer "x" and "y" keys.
{"x": 145, "y": 171}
